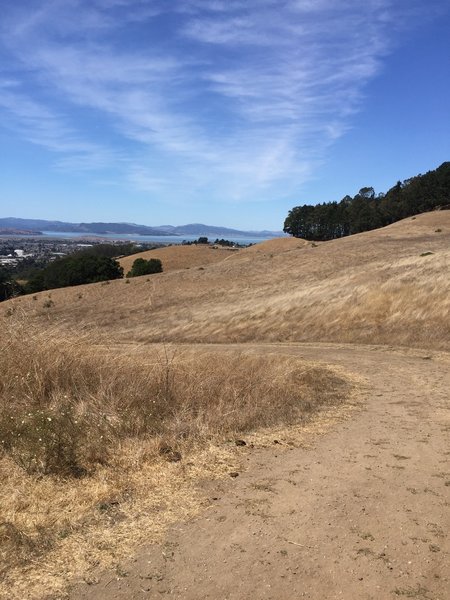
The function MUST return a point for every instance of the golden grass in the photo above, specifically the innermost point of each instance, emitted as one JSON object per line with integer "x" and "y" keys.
{"x": 105, "y": 408}
{"x": 178, "y": 257}
{"x": 378, "y": 287}
{"x": 275, "y": 245}
{"x": 100, "y": 449}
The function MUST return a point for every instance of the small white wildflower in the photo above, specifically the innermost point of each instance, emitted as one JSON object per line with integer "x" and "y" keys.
{"x": 49, "y": 418}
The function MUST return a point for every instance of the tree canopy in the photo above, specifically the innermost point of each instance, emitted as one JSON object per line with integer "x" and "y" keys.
{"x": 74, "y": 270}
{"x": 145, "y": 267}
{"x": 368, "y": 210}
{"x": 8, "y": 287}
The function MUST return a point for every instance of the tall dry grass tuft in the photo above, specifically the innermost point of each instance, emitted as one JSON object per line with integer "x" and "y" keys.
{"x": 80, "y": 422}
{"x": 65, "y": 405}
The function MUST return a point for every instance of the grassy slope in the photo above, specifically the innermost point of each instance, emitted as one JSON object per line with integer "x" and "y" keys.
{"x": 174, "y": 258}
{"x": 373, "y": 287}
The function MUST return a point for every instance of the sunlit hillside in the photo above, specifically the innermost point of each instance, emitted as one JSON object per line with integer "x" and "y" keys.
{"x": 94, "y": 415}
{"x": 178, "y": 257}
{"x": 388, "y": 286}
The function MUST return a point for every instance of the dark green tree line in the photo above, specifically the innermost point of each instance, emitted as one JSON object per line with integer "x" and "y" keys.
{"x": 8, "y": 287}
{"x": 367, "y": 210}
{"x": 74, "y": 270}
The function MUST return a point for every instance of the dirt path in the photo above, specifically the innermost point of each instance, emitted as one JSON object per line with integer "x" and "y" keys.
{"x": 363, "y": 514}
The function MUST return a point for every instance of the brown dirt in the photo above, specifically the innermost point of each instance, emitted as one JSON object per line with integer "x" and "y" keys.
{"x": 359, "y": 512}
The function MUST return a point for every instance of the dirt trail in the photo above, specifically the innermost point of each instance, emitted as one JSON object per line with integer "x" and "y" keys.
{"x": 362, "y": 514}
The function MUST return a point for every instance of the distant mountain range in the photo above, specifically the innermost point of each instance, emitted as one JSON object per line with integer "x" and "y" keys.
{"x": 11, "y": 231}
{"x": 193, "y": 229}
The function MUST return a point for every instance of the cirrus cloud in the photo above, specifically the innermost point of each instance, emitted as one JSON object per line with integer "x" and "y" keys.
{"x": 227, "y": 98}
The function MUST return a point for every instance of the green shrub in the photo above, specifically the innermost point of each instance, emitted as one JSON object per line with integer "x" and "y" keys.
{"x": 145, "y": 267}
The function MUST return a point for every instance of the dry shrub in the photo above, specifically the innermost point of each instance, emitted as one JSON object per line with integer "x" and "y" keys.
{"x": 66, "y": 405}
{"x": 13, "y": 542}
{"x": 79, "y": 422}
{"x": 223, "y": 394}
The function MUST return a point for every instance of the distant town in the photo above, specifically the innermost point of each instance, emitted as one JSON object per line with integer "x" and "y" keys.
{"x": 34, "y": 252}
{"x": 20, "y": 256}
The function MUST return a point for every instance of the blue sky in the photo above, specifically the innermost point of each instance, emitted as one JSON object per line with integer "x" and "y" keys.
{"x": 226, "y": 112}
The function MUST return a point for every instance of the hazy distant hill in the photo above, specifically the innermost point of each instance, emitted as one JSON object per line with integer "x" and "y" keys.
{"x": 212, "y": 231}
{"x": 101, "y": 228}
{"x": 132, "y": 228}
{"x": 12, "y": 231}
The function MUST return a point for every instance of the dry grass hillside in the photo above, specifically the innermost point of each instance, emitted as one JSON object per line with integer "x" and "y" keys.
{"x": 277, "y": 245}
{"x": 389, "y": 286}
{"x": 178, "y": 257}
{"x": 108, "y": 422}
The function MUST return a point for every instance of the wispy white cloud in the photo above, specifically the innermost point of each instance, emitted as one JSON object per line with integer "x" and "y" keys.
{"x": 212, "y": 95}
{"x": 39, "y": 125}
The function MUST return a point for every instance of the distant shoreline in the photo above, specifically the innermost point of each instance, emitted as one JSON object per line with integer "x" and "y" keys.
{"x": 125, "y": 237}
